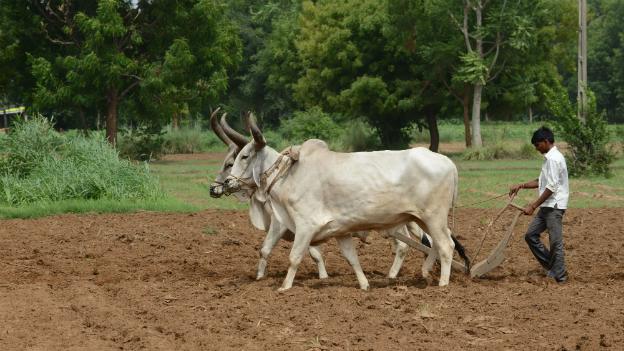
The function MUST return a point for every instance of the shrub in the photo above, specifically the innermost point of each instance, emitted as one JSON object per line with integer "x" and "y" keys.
{"x": 28, "y": 143}
{"x": 310, "y": 124}
{"x": 190, "y": 139}
{"x": 587, "y": 141}
{"x": 75, "y": 167}
{"x": 359, "y": 136}
{"x": 142, "y": 143}
{"x": 500, "y": 151}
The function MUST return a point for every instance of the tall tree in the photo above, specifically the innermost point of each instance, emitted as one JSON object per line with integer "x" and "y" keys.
{"x": 606, "y": 56}
{"x": 107, "y": 54}
{"x": 264, "y": 82}
{"x": 352, "y": 67}
{"x": 496, "y": 33}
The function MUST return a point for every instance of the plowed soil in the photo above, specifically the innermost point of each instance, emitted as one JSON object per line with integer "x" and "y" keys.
{"x": 153, "y": 281}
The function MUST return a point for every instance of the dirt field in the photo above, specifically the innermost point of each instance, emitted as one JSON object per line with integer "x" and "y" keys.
{"x": 150, "y": 281}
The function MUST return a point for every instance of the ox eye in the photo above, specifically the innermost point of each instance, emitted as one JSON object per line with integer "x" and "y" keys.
{"x": 228, "y": 165}
{"x": 245, "y": 157}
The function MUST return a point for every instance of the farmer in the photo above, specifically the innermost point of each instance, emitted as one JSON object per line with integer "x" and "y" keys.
{"x": 552, "y": 203}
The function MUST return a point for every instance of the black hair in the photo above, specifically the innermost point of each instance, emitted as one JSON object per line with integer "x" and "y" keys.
{"x": 544, "y": 133}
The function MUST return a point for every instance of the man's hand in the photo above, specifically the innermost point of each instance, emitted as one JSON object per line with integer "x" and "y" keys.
{"x": 513, "y": 190}
{"x": 528, "y": 209}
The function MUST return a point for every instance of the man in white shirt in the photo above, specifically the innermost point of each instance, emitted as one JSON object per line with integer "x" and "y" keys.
{"x": 552, "y": 203}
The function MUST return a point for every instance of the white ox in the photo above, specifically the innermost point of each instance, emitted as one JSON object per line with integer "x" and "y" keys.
{"x": 262, "y": 216}
{"x": 328, "y": 194}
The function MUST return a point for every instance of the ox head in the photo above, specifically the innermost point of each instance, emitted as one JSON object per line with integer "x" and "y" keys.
{"x": 234, "y": 141}
{"x": 250, "y": 162}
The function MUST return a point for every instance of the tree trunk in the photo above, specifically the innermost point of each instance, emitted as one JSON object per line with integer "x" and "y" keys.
{"x": 476, "y": 116}
{"x": 530, "y": 114}
{"x": 466, "y": 106}
{"x": 432, "y": 124}
{"x": 83, "y": 121}
{"x": 111, "y": 117}
{"x": 175, "y": 123}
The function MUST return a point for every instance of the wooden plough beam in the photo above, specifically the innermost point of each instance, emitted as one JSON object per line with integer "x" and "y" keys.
{"x": 494, "y": 259}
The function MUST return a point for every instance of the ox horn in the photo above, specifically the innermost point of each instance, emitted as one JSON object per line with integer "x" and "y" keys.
{"x": 235, "y": 136}
{"x": 216, "y": 127}
{"x": 255, "y": 131}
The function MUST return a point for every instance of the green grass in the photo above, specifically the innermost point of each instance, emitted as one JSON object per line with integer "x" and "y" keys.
{"x": 481, "y": 180}
{"x": 41, "y": 209}
{"x": 189, "y": 182}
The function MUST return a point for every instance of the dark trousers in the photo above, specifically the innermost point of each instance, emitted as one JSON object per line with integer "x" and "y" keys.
{"x": 552, "y": 260}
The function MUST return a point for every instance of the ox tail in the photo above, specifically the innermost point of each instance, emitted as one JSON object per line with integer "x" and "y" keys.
{"x": 462, "y": 253}
{"x": 458, "y": 246}
{"x": 455, "y": 195}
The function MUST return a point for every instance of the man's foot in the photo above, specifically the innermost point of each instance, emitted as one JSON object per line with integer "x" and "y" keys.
{"x": 563, "y": 279}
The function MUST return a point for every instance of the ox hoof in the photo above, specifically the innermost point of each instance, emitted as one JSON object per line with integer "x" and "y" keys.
{"x": 366, "y": 287}
{"x": 282, "y": 289}
{"x": 323, "y": 276}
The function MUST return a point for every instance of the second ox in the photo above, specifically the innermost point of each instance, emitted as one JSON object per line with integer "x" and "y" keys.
{"x": 328, "y": 194}
{"x": 262, "y": 216}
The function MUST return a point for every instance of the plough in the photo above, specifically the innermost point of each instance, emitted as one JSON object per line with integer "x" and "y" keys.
{"x": 493, "y": 260}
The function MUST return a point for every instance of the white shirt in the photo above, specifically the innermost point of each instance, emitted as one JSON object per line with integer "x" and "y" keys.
{"x": 554, "y": 176}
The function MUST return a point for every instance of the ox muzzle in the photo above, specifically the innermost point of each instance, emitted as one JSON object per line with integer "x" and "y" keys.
{"x": 216, "y": 190}
{"x": 231, "y": 185}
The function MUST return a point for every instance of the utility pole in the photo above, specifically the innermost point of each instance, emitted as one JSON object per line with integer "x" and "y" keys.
{"x": 582, "y": 61}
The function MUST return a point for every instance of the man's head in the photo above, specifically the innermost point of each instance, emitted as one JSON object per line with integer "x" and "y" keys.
{"x": 543, "y": 139}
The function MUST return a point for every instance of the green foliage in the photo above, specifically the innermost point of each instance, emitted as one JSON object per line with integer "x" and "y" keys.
{"x": 142, "y": 143}
{"x": 190, "y": 139}
{"x": 606, "y": 56}
{"x": 79, "y": 60}
{"x": 500, "y": 150}
{"x": 353, "y": 67}
{"x": 587, "y": 141}
{"x": 472, "y": 70}
{"x": 40, "y": 165}
{"x": 28, "y": 144}
{"x": 359, "y": 136}
{"x": 310, "y": 124}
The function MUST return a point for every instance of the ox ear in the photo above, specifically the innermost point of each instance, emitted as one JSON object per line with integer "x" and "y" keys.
{"x": 259, "y": 217}
{"x": 257, "y": 173}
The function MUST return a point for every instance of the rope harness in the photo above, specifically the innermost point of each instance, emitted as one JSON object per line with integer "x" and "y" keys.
{"x": 281, "y": 165}
{"x": 287, "y": 158}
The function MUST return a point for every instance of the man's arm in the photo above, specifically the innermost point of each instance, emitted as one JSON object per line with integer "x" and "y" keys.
{"x": 528, "y": 210}
{"x": 532, "y": 184}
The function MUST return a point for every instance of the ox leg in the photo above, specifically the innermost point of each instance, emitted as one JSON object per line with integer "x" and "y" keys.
{"x": 443, "y": 244}
{"x": 275, "y": 233}
{"x": 349, "y": 252}
{"x": 400, "y": 251}
{"x": 428, "y": 264}
{"x": 300, "y": 245}
{"x": 317, "y": 256}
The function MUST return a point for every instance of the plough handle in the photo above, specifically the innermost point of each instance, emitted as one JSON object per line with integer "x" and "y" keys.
{"x": 516, "y": 206}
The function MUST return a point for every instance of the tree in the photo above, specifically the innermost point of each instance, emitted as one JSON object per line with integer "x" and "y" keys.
{"x": 153, "y": 57}
{"x": 535, "y": 68}
{"x": 606, "y": 56}
{"x": 352, "y": 67}
{"x": 271, "y": 64}
{"x": 483, "y": 43}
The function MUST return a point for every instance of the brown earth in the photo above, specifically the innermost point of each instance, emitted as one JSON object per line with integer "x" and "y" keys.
{"x": 153, "y": 281}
